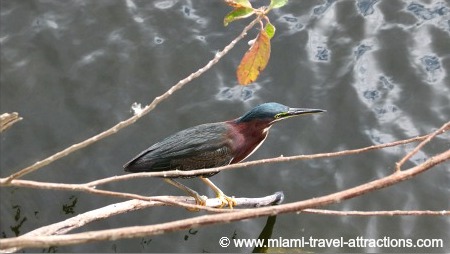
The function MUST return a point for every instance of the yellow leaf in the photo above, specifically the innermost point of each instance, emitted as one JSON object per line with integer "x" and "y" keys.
{"x": 270, "y": 29}
{"x": 238, "y": 13}
{"x": 278, "y": 3}
{"x": 254, "y": 60}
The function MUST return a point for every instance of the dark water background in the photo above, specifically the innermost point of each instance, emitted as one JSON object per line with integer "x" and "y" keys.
{"x": 74, "y": 68}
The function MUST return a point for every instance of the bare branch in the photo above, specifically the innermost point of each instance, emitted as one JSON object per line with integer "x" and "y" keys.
{"x": 377, "y": 213}
{"x": 441, "y": 130}
{"x": 93, "y": 184}
{"x": 134, "y": 118}
{"x": 252, "y": 163}
{"x": 132, "y": 205}
{"x": 8, "y": 119}
{"x": 188, "y": 203}
{"x": 91, "y": 190}
{"x": 144, "y": 231}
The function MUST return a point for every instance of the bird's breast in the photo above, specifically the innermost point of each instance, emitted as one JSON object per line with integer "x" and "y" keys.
{"x": 246, "y": 141}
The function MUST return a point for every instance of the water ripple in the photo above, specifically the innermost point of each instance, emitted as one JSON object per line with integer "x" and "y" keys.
{"x": 422, "y": 12}
{"x": 432, "y": 66}
{"x": 293, "y": 23}
{"x": 319, "y": 52}
{"x": 237, "y": 93}
{"x": 165, "y": 4}
{"x": 319, "y": 10}
{"x": 361, "y": 49}
{"x": 365, "y": 7}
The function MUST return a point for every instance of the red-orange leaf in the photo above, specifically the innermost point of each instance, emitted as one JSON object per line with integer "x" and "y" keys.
{"x": 254, "y": 60}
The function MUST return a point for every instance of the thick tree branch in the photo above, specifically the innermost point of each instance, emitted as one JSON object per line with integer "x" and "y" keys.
{"x": 132, "y": 205}
{"x": 145, "y": 231}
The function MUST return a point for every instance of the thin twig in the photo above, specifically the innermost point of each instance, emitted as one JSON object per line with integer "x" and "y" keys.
{"x": 188, "y": 203}
{"x": 377, "y": 213}
{"x": 93, "y": 184}
{"x": 134, "y": 118}
{"x": 91, "y": 190}
{"x": 441, "y": 130}
{"x": 251, "y": 163}
{"x": 148, "y": 230}
{"x": 8, "y": 119}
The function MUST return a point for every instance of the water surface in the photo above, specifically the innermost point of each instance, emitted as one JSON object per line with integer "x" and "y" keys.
{"x": 73, "y": 69}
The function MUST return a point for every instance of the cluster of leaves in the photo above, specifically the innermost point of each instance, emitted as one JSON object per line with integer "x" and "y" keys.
{"x": 257, "y": 57}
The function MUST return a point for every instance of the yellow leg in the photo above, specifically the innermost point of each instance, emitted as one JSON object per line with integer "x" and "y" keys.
{"x": 220, "y": 195}
{"x": 199, "y": 200}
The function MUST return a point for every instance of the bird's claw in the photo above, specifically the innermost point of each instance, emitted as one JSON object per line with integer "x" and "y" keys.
{"x": 199, "y": 200}
{"x": 231, "y": 202}
{"x": 224, "y": 199}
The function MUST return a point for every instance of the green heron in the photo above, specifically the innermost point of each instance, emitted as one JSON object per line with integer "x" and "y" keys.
{"x": 213, "y": 145}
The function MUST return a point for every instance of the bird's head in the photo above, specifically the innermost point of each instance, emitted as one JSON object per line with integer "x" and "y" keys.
{"x": 272, "y": 112}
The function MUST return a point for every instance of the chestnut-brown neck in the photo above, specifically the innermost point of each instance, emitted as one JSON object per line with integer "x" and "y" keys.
{"x": 247, "y": 137}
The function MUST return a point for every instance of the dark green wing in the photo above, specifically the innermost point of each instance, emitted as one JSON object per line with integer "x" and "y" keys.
{"x": 203, "y": 146}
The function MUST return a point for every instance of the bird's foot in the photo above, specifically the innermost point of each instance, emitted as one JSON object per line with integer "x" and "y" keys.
{"x": 199, "y": 200}
{"x": 220, "y": 195}
{"x": 231, "y": 202}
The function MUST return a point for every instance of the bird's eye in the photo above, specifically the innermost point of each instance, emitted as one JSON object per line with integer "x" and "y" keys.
{"x": 279, "y": 115}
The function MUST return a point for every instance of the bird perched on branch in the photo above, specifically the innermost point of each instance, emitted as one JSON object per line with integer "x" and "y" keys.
{"x": 213, "y": 145}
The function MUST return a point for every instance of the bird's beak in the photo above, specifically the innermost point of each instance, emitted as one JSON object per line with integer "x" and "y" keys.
{"x": 296, "y": 112}
{"x": 303, "y": 111}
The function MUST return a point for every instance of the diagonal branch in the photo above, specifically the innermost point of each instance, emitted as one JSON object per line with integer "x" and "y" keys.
{"x": 80, "y": 220}
{"x": 378, "y": 213}
{"x": 256, "y": 162}
{"x": 83, "y": 188}
{"x": 144, "y": 231}
{"x": 91, "y": 186}
{"x": 8, "y": 119}
{"x": 443, "y": 128}
{"x": 95, "y": 183}
{"x": 134, "y": 118}
{"x": 105, "y": 212}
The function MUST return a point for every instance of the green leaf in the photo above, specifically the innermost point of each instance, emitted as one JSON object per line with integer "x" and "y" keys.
{"x": 277, "y": 3}
{"x": 238, "y": 13}
{"x": 254, "y": 60}
{"x": 270, "y": 30}
{"x": 239, "y": 3}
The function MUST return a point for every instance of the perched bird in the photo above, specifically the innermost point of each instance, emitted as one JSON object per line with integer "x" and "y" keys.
{"x": 213, "y": 145}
